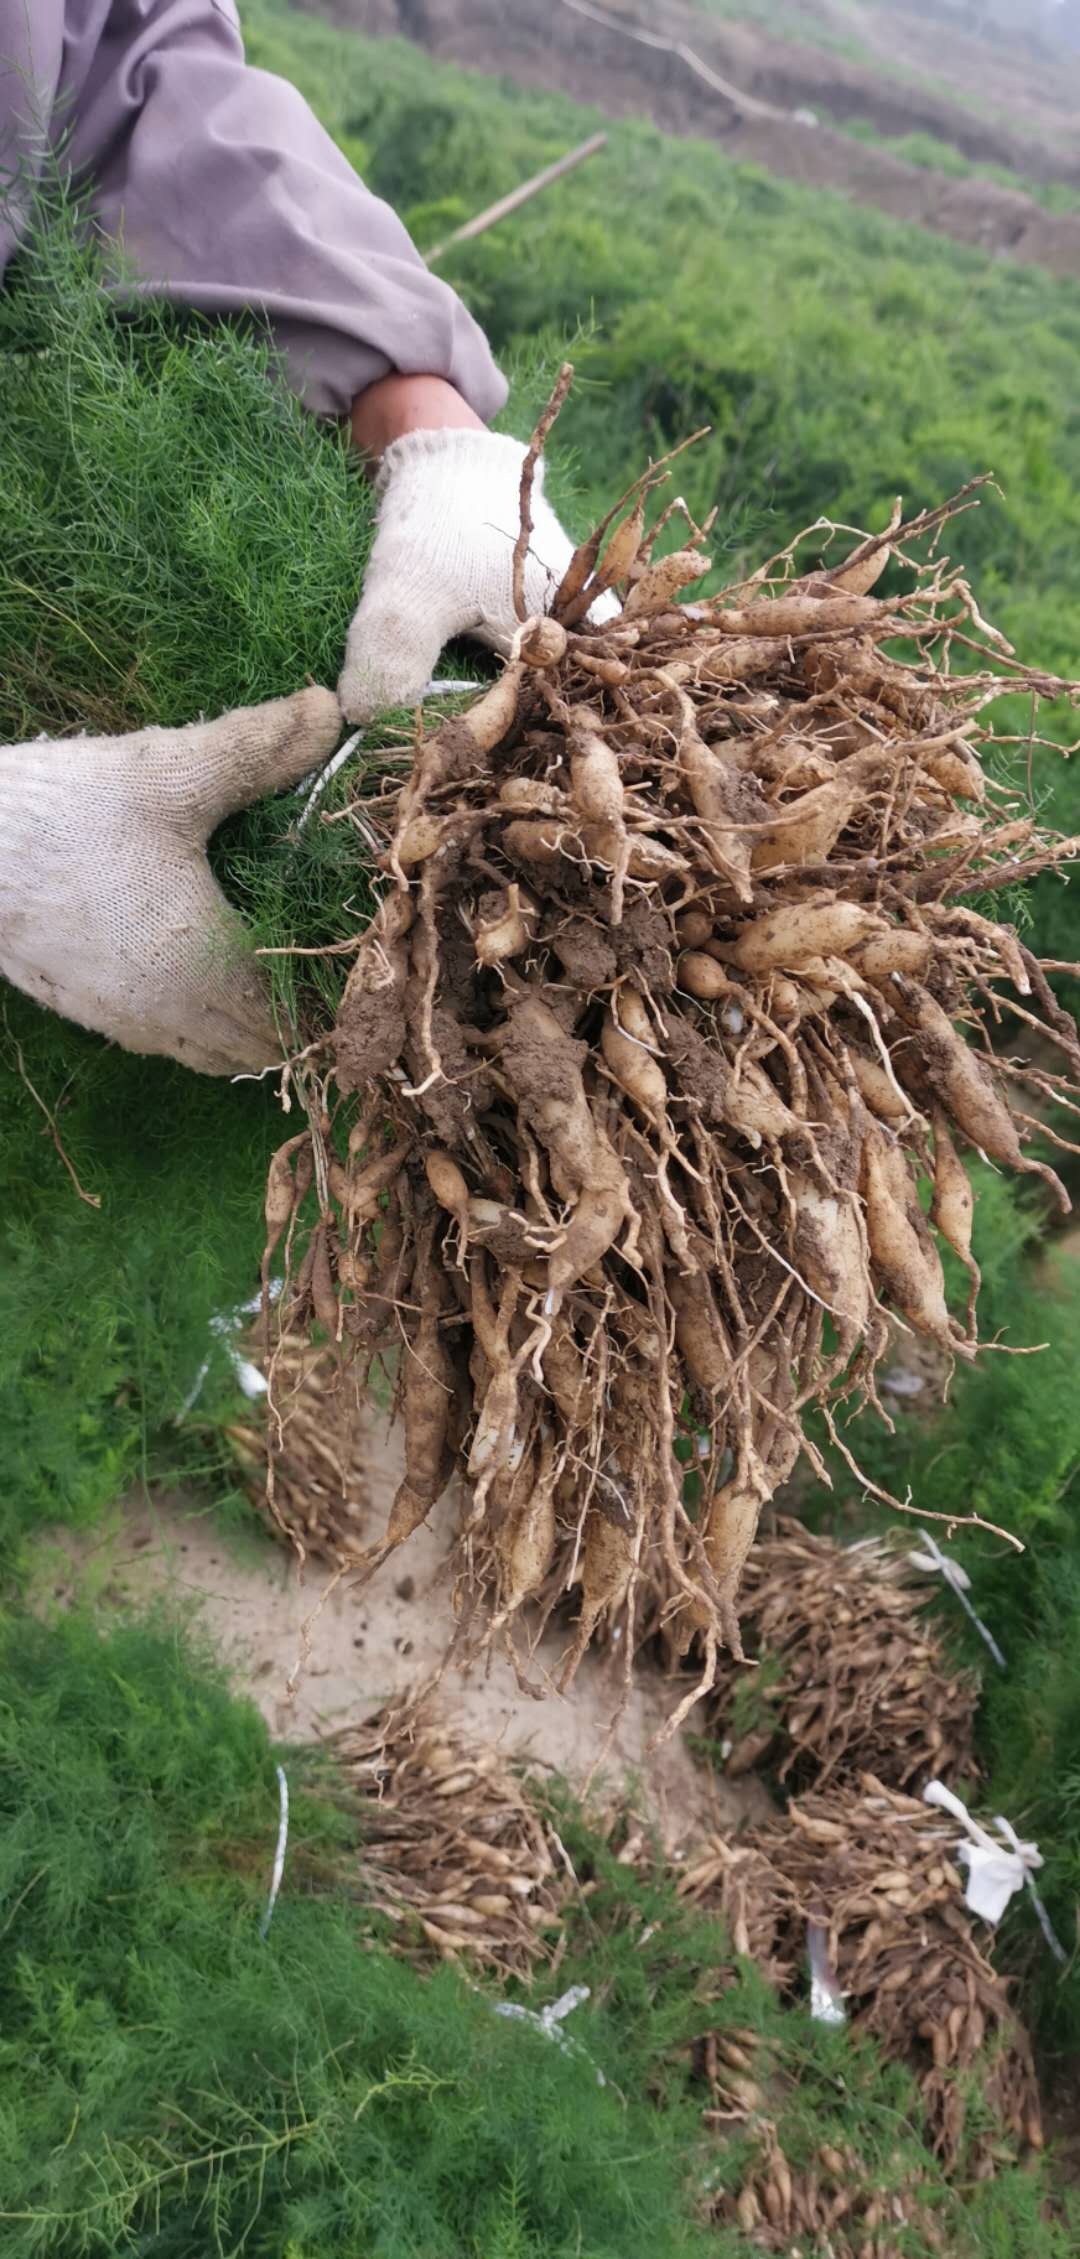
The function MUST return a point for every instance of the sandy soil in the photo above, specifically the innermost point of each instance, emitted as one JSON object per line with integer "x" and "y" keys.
{"x": 350, "y": 1651}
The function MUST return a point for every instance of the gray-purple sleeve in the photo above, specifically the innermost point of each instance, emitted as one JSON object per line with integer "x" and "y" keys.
{"x": 228, "y": 195}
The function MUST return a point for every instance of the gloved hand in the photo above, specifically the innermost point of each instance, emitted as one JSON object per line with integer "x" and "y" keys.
{"x": 108, "y": 910}
{"x": 442, "y": 563}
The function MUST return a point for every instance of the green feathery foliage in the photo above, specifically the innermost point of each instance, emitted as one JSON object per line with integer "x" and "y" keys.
{"x": 170, "y": 2083}
{"x": 177, "y": 536}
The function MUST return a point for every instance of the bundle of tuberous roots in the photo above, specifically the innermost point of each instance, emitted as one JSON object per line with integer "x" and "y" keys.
{"x": 855, "y": 1675}
{"x": 874, "y": 1873}
{"x": 455, "y": 1851}
{"x": 833, "y": 2204}
{"x": 305, "y": 1468}
{"x": 675, "y": 990}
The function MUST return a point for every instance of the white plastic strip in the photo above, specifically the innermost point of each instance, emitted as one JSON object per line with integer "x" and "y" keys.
{"x": 995, "y": 1870}
{"x": 226, "y": 1323}
{"x": 549, "y": 2020}
{"x": 323, "y": 776}
{"x": 826, "y": 1998}
{"x": 958, "y": 1581}
{"x": 279, "y": 1855}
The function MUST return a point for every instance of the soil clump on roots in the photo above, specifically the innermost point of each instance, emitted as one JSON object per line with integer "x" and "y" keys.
{"x": 684, "y": 976}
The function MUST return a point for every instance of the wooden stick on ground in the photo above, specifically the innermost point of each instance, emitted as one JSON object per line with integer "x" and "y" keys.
{"x": 518, "y": 196}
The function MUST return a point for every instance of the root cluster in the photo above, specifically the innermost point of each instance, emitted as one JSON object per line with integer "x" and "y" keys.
{"x": 684, "y": 975}
{"x": 455, "y": 1854}
{"x": 872, "y": 1870}
{"x": 306, "y": 1467}
{"x": 461, "y": 1853}
{"x": 854, "y": 1675}
{"x": 833, "y": 2203}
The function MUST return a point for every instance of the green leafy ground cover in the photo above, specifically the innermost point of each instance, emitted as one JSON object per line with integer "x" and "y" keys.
{"x": 177, "y": 537}
{"x": 171, "y": 2084}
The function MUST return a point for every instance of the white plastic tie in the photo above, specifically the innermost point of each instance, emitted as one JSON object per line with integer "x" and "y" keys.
{"x": 996, "y": 1869}
{"x": 958, "y": 1581}
{"x": 550, "y": 2020}
{"x": 225, "y": 1325}
{"x": 193, "y": 1394}
{"x": 323, "y": 777}
{"x": 279, "y": 1854}
{"x": 826, "y": 1998}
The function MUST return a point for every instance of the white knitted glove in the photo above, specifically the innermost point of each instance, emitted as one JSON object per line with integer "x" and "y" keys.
{"x": 442, "y": 563}
{"x": 108, "y": 910}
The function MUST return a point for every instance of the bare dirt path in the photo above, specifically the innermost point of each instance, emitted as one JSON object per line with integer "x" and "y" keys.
{"x": 589, "y": 49}
{"x": 367, "y": 1648}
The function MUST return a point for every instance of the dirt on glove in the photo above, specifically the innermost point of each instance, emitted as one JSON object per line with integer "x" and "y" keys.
{"x": 685, "y": 974}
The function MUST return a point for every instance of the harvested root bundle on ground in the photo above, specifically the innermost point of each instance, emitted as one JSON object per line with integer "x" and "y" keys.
{"x": 874, "y": 1871}
{"x": 304, "y": 1464}
{"x": 677, "y": 988}
{"x": 455, "y": 1851}
{"x": 731, "y": 1876}
{"x": 835, "y": 2206}
{"x": 855, "y": 1677}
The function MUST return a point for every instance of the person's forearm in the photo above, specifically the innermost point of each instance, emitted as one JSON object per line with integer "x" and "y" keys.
{"x": 227, "y": 195}
{"x": 399, "y": 404}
